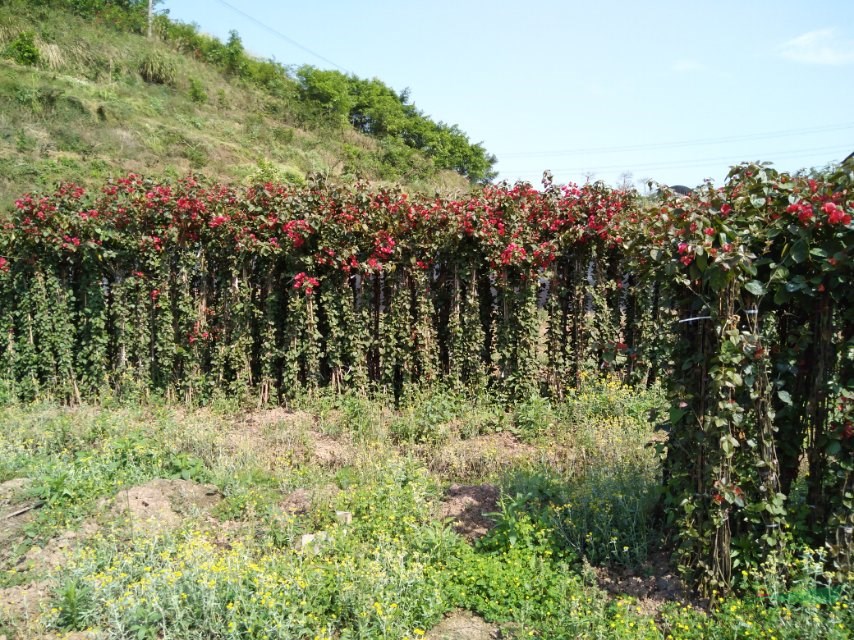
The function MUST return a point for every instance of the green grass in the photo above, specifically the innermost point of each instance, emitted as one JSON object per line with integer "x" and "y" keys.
{"x": 575, "y": 492}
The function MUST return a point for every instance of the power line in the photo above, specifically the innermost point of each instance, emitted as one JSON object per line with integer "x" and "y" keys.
{"x": 282, "y": 36}
{"x": 683, "y": 143}
{"x": 692, "y": 163}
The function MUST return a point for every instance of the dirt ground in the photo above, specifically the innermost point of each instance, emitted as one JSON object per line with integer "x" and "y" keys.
{"x": 462, "y": 625}
{"x": 161, "y": 504}
{"x": 467, "y": 506}
{"x": 653, "y": 584}
{"x": 153, "y": 507}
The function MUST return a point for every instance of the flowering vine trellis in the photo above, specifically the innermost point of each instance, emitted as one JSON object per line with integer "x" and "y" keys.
{"x": 738, "y": 298}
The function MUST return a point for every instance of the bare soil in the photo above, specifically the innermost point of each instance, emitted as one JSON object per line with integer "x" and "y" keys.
{"x": 330, "y": 453}
{"x": 160, "y": 505}
{"x": 297, "y": 502}
{"x": 23, "y": 603}
{"x": 15, "y": 513}
{"x": 11, "y": 491}
{"x": 467, "y": 506}
{"x": 462, "y": 625}
{"x": 653, "y": 584}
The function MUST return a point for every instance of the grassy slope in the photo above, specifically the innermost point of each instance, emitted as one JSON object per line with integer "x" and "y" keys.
{"x": 84, "y": 114}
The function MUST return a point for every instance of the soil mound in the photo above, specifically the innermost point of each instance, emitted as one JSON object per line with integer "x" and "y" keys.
{"x": 161, "y": 505}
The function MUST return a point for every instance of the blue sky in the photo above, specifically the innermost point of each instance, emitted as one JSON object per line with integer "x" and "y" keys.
{"x": 670, "y": 90}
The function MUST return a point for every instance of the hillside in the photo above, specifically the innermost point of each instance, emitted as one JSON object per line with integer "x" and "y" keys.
{"x": 84, "y": 96}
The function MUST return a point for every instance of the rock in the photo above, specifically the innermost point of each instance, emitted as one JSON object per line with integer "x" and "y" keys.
{"x": 312, "y": 541}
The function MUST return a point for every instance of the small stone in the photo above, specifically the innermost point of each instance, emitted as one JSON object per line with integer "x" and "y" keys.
{"x": 311, "y": 541}
{"x": 344, "y": 517}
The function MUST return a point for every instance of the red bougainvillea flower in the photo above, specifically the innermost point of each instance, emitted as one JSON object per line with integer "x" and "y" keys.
{"x": 384, "y": 245}
{"x": 4, "y": 264}
{"x": 803, "y": 210}
{"x": 305, "y": 282}
{"x": 835, "y": 214}
{"x": 513, "y": 254}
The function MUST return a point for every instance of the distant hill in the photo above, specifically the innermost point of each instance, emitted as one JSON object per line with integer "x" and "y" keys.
{"x": 85, "y": 95}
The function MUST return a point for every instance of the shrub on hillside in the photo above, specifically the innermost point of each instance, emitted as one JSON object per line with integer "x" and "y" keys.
{"x": 156, "y": 68}
{"x": 23, "y": 49}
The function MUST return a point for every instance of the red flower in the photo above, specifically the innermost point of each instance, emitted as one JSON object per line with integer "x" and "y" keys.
{"x": 709, "y": 231}
{"x": 155, "y": 293}
{"x": 305, "y": 282}
{"x": 384, "y": 245}
{"x": 803, "y": 210}
{"x": 835, "y": 214}
{"x": 513, "y": 254}
{"x": 683, "y": 248}
{"x": 725, "y": 209}
{"x": 686, "y": 260}
{"x": 4, "y": 264}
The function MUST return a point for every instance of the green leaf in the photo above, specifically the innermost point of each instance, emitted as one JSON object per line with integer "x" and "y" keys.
{"x": 784, "y": 396}
{"x": 676, "y": 414}
{"x": 755, "y": 287}
{"x": 728, "y": 445}
{"x": 800, "y": 251}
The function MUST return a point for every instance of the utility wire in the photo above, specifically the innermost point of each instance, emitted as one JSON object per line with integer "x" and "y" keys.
{"x": 692, "y": 163}
{"x": 282, "y": 36}
{"x": 682, "y": 143}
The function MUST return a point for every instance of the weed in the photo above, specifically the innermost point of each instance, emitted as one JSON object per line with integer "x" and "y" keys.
{"x": 74, "y": 605}
{"x": 197, "y": 92}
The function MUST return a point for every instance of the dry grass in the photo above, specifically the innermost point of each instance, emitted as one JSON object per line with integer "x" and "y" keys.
{"x": 51, "y": 55}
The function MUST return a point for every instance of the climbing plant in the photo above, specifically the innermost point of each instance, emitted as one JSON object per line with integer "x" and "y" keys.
{"x": 737, "y": 298}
